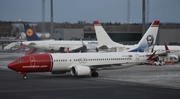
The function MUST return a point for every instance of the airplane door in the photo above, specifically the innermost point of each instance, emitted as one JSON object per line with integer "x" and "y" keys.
{"x": 137, "y": 58}
{"x": 32, "y": 61}
{"x": 82, "y": 60}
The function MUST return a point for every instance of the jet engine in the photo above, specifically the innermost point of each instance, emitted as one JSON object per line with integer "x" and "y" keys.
{"x": 61, "y": 49}
{"x": 80, "y": 71}
{"x": 173, "y": 58}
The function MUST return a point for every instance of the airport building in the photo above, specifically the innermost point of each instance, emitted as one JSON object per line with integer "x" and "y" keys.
{"x": 168, "y": 36}
{"x": 68, "y": 34}
{"x": 79, "y": 33}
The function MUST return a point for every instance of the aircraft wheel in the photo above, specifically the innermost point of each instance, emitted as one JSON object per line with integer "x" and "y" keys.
{"x": 94, "y": 74}
{"x": 24, "y": 77}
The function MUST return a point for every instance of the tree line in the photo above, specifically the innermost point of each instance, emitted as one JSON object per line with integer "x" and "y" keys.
{"x": 7, "y": 29}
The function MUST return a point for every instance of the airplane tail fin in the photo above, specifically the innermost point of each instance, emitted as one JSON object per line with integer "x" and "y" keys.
{"x": 102, "y": 36}
{"x": 146, "y": 44}
{"x": 30, "y": 34}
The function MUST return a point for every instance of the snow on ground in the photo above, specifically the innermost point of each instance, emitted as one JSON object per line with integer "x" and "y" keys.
{"x": 168, "y": 75}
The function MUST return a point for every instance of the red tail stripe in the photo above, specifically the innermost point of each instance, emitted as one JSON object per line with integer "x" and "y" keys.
{"x": 96, "y": 22}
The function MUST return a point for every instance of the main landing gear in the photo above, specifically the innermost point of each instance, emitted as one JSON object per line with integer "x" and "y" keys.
{"x": 94, "y": 74}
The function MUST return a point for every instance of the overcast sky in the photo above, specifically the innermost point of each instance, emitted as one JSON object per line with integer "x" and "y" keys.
{"x": 89, "y": 10}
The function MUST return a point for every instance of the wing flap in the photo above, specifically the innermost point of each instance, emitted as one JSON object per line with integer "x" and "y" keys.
{"x": 113, "y": 66}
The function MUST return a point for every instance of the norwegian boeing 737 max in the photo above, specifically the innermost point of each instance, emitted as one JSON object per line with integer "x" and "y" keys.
{"x": 79, "y": 64}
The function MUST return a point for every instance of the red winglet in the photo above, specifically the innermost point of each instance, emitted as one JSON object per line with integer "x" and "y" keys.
{"x": 156, "y": 23}
{"x": 96, "y": 22}
{"x": 21, "y": 47}
{"x": 31, "y": 51}
{"x": 67, "y": 51}
{"x": 166, "y": 47}
{"x": 150, "y": 57}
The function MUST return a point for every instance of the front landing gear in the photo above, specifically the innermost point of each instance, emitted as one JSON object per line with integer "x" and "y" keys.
{"x": 24, "y": 75}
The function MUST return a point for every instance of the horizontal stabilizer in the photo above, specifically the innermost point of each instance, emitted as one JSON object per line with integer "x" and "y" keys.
{"x": 21, "y": 47}
{"x": 150, "y": 57}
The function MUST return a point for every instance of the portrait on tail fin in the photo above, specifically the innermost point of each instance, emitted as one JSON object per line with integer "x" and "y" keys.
{"x": 150, "y": 42}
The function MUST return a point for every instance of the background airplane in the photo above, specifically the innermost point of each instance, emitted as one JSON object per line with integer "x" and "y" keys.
{"x": 34, "y": 41}
{"x": 104, "y": 40}
{"x": 153, "y": 30}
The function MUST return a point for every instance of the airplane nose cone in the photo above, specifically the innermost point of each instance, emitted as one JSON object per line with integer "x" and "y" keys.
{"x": 12, "y": 66}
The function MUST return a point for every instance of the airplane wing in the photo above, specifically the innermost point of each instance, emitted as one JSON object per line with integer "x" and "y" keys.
{"x": 27, "y": 43}
{"x": 103, "y": 47}
{"x": 79, "y": 49}
{"x": 32, "y": 43}
{"x": 113, "y": 66}
{"x": 165, "y": 52}
{"x": 82, "y": 48}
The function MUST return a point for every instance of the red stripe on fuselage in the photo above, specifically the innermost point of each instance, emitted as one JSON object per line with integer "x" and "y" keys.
{"x": 32, "y": 63}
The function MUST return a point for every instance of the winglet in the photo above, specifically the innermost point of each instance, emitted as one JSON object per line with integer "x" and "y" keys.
{"x": 150, "y": 57}
{"x": 166, "y": 47}
{"x": 67, "y": 51}
{"x": 82, "y": 42}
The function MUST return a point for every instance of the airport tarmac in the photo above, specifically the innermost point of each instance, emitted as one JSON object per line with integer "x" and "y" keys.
{"x": 137, "y": 82}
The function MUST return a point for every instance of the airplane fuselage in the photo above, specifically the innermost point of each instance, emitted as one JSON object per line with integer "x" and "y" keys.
{"x": 56, "y": 45}
{"x": 174, "y": 49}
{"x": 64, "y": 62}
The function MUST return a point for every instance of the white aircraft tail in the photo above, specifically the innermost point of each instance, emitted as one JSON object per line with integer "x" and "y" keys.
{"x": 148, "y": 40}
{"x": 102, "y": 36}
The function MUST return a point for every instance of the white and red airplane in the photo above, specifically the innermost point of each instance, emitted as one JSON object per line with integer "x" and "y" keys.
{"x": 105, "y": 43}
{"x": 79, "y": 64}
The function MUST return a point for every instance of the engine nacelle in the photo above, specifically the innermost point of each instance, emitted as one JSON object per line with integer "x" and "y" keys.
{"x": 173, "y": 58}
{"x": 62, "y": 49}
{"x": 80, "y": 71}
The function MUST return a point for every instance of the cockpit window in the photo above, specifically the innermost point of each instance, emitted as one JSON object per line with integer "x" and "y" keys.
{"x": 19, "y": 60}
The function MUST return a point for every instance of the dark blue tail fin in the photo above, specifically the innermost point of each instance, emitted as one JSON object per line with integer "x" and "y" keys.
{"x": 30, "y": 34}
